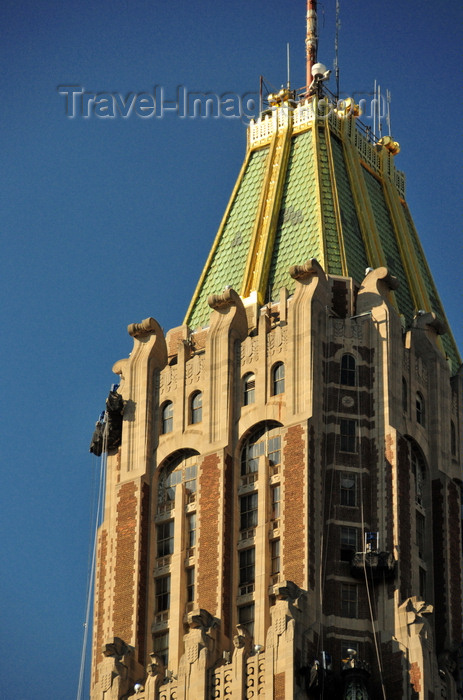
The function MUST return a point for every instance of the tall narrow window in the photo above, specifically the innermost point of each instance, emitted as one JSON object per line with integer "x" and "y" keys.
{"x": 161, "y": 645}
{"x": 404, "y": 395}
{"x": 191, "y": 531}
{"x": 349, "y": 545}
{"x": 453, "y": 438}
{"x": 348, "y": 495}
{"x": 422, "y": 583}
{"x": 348, "y": 370}
{"x": 348, "y": 437}
{"x": 165, "y": 538}
{"x": 278, "y": 379}
{"x": 249, "y": 389}
{"x": 248, "y": 511}
{"x": 275, "y": 556}
{"x": 419, "y": 472}
{"x": 420, "y": 534}
{"x": 162, "y": 594}
{"x": 167, "y": 417}
{"x": 246, "y": 617}
{"x": 276, "y": 495}
{"x": 190, "y": 584}
{"x": 349, "y": 600}
{"x": 196, "y": 408}
{"x": 420, "y": 412}
{"x": 247, "y": 570}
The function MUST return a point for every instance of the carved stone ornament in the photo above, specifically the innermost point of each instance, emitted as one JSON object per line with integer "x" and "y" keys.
{"x": 202, "y": 619}
{"x": 430, "y": 320}
{"x": 221, "y": 302}
{"x": 288, "y": 590}
{"x": 307, "y": 270}
{"x": 380, "y": 274}
{"x": 147, "y": 326}
{"x": 347, "y": 330}
{"x": 242, "y": 639}
{"x": 113, "y": 669}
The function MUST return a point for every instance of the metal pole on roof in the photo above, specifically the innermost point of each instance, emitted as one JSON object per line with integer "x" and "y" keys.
{"x": 311, "y": 39}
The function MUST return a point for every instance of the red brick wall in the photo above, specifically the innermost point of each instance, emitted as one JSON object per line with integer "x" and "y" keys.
{"x": 415, "y": 676}
{"x": 228, "y": 551}
{"x": 280, "y": 687}
{"x": 124, "y": 584}
{"x": 143, "y": 580}
{"x": 454, "y": 562}
{"x": 294, "y": 545}
{"x": 312, "y": 497}
{"x": 208, "y": 547}
{"x": 100, "y": 603}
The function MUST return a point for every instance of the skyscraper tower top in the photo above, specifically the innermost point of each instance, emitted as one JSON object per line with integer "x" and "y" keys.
{"x": 283, "y": 498}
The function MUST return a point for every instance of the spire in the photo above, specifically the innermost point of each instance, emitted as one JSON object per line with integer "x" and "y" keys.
{"x": 311, "y": 40}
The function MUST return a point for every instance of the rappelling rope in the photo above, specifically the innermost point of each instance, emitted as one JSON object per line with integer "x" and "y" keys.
{"x": 362, "y": 516}
{"x": 91, "y": 573}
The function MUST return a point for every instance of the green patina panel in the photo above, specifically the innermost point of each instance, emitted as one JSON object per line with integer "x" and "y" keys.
{"x": 389, "y": 244}
{"x": 353, "y": 242}
{"x": 436, "y": 304}
{"x": 334, "y": 265}
{"x": 229, "y": 261}
{"x": 298, "y": 237}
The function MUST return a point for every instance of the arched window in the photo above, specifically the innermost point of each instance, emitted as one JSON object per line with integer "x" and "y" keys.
{"x": 196, "y": 408}
{"x": 278, "y": 378}
{"x": 249, "y": 388}
{"x": 348, "y": 370}
{"x": 167, "y": 417}
{"x": 420, "y": 409}
{"x": 404, "y": 395}
{"x": 180, "y": 469}
{"x": 265, "y": 440}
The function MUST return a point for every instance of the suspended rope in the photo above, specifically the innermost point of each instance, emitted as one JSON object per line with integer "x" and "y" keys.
{"x": 362, "y": 517}
{"x": 91, "y": 572}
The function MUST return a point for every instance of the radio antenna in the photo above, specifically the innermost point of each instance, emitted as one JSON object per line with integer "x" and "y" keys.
{"x": 388, "y": 117}
{"x": 336, "y": 48}
{"x": 288, "y": 84}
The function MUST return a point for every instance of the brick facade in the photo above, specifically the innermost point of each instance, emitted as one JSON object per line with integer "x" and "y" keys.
{"x": 124, "y": 589}
{"x": 295, "y": 547}
{"x": 208, "y": 549}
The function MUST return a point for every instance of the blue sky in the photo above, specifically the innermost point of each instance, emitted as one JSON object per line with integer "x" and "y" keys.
{"x": 107, "y": 221}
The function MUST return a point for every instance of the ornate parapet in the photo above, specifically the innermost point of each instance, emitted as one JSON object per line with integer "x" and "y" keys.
{"x": 375, "y": 289}
{"x": 304, "y": 273}
{"x": 429, "y": 321}
{"x": 145, "y": 327}
{"x": 222, "y": 302}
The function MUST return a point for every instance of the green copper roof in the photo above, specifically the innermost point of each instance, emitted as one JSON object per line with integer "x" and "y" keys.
{"x": 353, "y": 242}
{"x": 333, "y": 253}
{"x": 229, "y": 259}
{"x": 389, "y": 243}
{"x": 297, "y": 237}
{"x": 316, "y": 188}
{"x": 425, "y": 274}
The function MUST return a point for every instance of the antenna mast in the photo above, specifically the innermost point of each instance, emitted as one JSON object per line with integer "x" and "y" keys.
{"x": 311, "y": 40}
{"x": 288, "y": 84}
{"x": 336, "y": 48}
